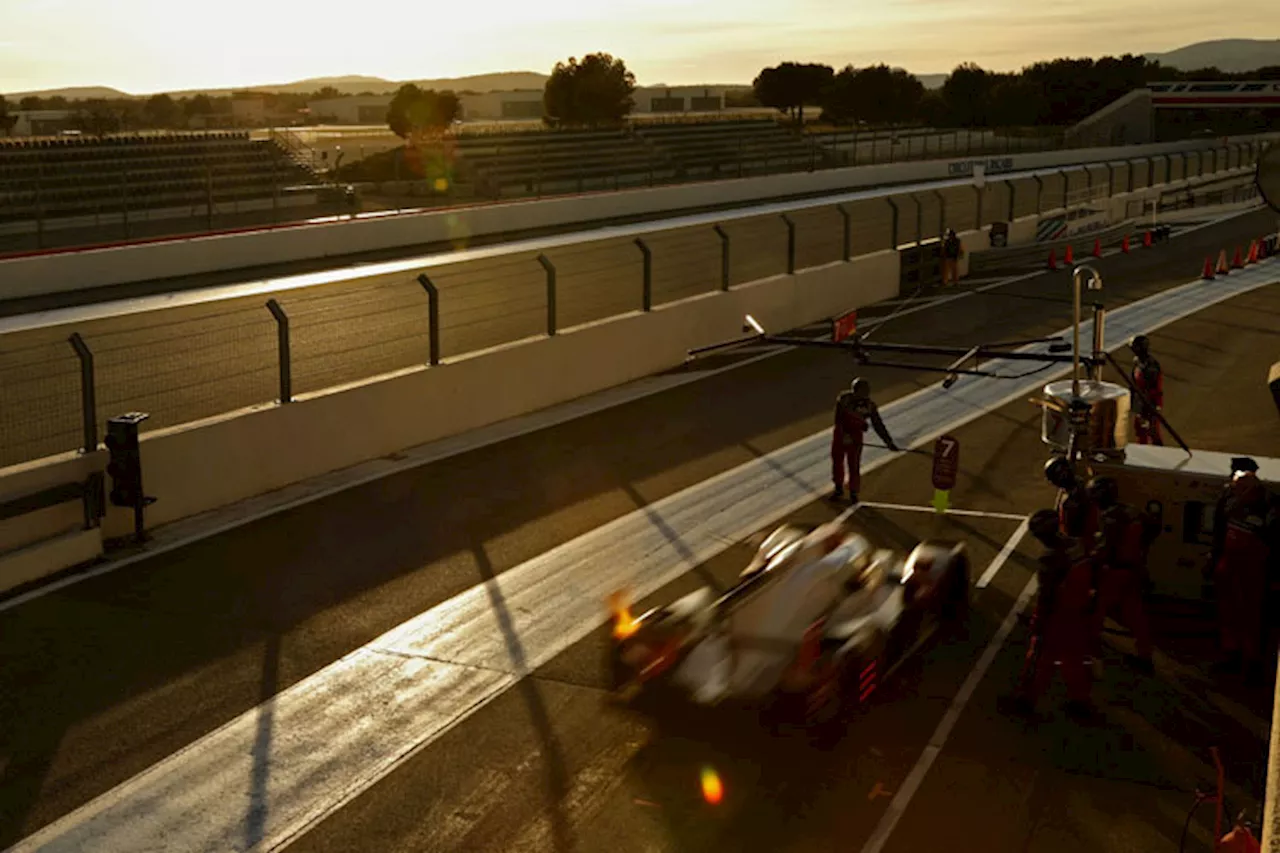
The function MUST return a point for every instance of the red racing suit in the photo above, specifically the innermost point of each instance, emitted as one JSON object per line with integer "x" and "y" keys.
{"x": 1243, "y": 529}
{"x": 1062, "y": 622}
{"x": 1148, "y": 378}
{"x": 1126, "y": 536}
{"x": 853, "y": 416}
{"x": 1077, "y": 515}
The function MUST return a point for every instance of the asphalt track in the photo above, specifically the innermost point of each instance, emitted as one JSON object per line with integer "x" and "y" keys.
{"x": 111, "y": 675}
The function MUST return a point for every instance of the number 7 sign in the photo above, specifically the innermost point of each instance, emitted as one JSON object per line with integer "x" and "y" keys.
{"x": 946, "y": 462}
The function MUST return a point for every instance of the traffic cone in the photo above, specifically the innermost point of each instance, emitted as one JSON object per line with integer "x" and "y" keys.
{"x": 1253, "y": 253}
{"x": 1237, "y": 262}
{"x": 1067, "y": 256}
{"x": 1146, "y": 240}
{"x": 1207, "y": 275}
{"x": 1223, "y": 267}
{"x": 1097, "y": 247}
{"x": 1124, "y": 244}
{"x": 1053, "y": 260}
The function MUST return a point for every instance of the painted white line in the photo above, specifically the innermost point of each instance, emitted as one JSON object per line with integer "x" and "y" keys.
{"x": 1004, "y": 554}
{"x": 970, "y": 513}
{"x": 907, "y": 790}
{"x": 339, "y": 731}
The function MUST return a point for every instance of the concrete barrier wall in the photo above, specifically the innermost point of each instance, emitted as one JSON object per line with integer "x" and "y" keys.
{"x": 173, "y": 258}
{"x": 39, "y": 543}
{"x": 202, "y": 466}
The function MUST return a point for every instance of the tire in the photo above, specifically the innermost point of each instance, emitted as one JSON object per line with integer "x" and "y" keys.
{"x": 954, "y": 609}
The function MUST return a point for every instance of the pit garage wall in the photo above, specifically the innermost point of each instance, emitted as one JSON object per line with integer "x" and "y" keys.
{"x": 54, "y": 272}
{"x": 206, "y": 465}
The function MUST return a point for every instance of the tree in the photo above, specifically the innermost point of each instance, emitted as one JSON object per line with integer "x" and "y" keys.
{"x": 97, "y": 117}
{"x": 200, "y": 105}
{"x": 31, "y": 102}
{"x": 415, "y": 111}
{"x": 597, "y": 90}
{"x": 6, "y": 121}
{"x": 161, "y": 111}
{"x": 966, "y": 93}
{"x": 790, "y": 87}
{"x": 327, "y": 93}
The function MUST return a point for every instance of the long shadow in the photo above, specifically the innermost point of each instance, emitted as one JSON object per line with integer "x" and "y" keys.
{"x": 260, "y": 774}
{"x": 552, "y": 753}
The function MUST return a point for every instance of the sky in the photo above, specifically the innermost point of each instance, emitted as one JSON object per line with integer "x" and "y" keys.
{"x": 144, "y": 46}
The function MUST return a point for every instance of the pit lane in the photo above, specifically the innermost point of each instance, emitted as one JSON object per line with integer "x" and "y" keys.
{"x": 551, "y": 767}
{"x": 120, "y": 671}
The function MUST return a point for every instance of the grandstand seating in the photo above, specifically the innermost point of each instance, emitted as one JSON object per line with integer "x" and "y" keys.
{"x": 731, "y": 148}
{"x": 76, "y": 176}
{"x": 556, "y": 161}
{"x": 509, "y": 164}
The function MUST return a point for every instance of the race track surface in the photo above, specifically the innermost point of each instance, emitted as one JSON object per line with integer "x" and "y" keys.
{"x": 107, "y": 677}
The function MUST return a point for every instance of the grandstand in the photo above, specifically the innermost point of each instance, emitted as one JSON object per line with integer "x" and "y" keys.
{"x": 513, "y": 164}
{"x": 733, "y": 148}
{"x": 65, "y": 177}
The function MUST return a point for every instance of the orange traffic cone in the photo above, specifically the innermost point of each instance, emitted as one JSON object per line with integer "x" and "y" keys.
{"x": 1146, "y": 240}
{"x": 1253, "y": 253}
{"x": 1124, "y": 244}
{"x": 1237, "y": 262}
{"x": 1067, "y": 257}
{"x": 1097, "y": 247}
{"x": 1207, "y": 275}
{"x": 1053, "y": 260}
{"x": 1223, "y": 267}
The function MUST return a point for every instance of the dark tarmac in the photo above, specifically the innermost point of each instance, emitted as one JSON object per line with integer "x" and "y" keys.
{"x": 106, "y": 677}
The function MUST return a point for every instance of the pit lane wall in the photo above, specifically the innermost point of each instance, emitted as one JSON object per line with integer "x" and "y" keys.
{"x": 209, "y": 464}
{"x": 61, "y": 271}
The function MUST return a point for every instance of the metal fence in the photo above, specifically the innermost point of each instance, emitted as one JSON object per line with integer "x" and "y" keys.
{"x": 184, "y": 364}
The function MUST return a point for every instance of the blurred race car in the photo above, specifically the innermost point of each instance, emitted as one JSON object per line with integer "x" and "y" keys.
{"x": 811, "y": 626}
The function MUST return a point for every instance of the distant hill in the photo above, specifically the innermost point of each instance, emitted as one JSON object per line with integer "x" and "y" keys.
{"x": 1230, "y": 55}
{"x": 74, "y": 93}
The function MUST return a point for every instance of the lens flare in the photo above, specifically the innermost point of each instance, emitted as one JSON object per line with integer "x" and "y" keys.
{"x": 712, "y": 787}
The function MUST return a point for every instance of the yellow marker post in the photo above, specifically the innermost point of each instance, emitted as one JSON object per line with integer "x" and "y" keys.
{"x": 941, "y": 500}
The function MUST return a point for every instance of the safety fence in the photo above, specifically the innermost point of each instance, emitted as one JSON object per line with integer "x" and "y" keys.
{"x": 59, "y": 384}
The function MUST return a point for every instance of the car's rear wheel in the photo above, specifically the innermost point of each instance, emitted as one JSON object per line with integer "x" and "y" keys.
{"x": 954, "y": 609}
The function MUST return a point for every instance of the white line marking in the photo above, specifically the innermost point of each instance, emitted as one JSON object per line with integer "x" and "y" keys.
{"x": 973, "y": 513}
{"x": 898, "y": 805}
{"x": 341, "y": 730}
{"x": 1003, "y": 556}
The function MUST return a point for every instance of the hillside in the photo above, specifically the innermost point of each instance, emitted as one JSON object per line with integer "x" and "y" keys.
{"x": 72, "y": 93}
{"x": 1230, "y": 55}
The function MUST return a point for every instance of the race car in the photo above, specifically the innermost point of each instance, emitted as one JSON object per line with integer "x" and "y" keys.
{"x": 814, "y": 622}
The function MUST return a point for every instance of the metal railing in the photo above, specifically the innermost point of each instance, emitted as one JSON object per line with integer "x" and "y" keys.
{"x": 207, "y": 359}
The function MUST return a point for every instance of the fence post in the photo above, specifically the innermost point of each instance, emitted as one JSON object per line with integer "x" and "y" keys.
{"x": 124, "y": 200}
{"x": 282, "y": 335}
{"x": 646, "y": 294}
{"x": 724, "y": 258}
{"x": 1013, "y": 190}
{"x": 847, "y": 247}
{"x": 551, "y": 293}
{"x": 433, "y": 319}
{"x": 791, "y": 244}
{"x": 894, "y": 234}
{"x": 40, "y": 204}
{"x": 919, "y": 219}
{"x": 978, "y": 191}
{"x": 942, "y": 212}
{"x": 1039, "y": 194}
{"x": 88, "y": 393}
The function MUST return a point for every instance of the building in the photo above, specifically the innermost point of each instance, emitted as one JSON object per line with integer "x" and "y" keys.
{"x": 42, "y": 122}
{"x": 359, "y": 109}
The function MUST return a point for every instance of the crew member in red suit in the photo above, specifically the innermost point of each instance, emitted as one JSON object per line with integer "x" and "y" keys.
{"x": 1149, "y": 379}
{"x": 1127, "y": 535}
{"x": 1077, "y": 515}
{"x": 854, "y": 413}
{"x": 1243, "y": 534}
{"x": 1062, "y": 620}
